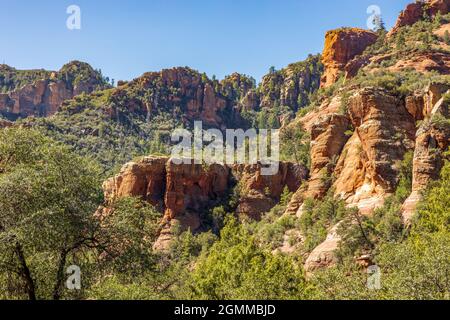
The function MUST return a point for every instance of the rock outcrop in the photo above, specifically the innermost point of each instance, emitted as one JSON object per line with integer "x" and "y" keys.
{"x": 259, "y": 193}
{"x": 324, "y": 254}
{"x": 386, "y": 131}
{"x": 178, "y": 88}
{"x": 432, "y": 140}
{"x": 424, "y": 62}
{"x": 341, "y": 46}
{"x": 42, "y": 97}
{"x": 328, "y": 137}
{"x": 420, "y": 104}
{"x": 292, "y": 85}
{"x": 416, "y": 11}
{"x": 193, "y": 187}
{"x": 361, "y": 150}
{"x": 145, "y": 179}
{"x": 185, "y": 192}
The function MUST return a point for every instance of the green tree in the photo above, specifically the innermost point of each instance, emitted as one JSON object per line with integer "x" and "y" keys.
{"x": 405, "y": 177}
{"x": 295, "y": 145}
{"x": 47, "y": 199}
{"x": 129, "y": 228}
{"x": 434, "y": 213}
{"x": 379, "y": 23}
{"x": 237, "y": 268}
{"x": 447, "y": 37}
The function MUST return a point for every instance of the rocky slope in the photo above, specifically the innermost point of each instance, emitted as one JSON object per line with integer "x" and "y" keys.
{"x": 362, "y": 133}
{"x": 41, "y": 93}
{"x": 394, "y": 101}
{"x": 137, "y": 117}
{"x": 414, "y": 12}
{"x": 186, "y": 192}
{"x": 367, "y": 170}
{"x": 188, "y": 95}
{"x": 291, "y": 86}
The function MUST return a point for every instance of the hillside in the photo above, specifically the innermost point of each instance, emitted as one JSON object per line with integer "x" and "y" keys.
{"x": 363, "y": 181}
{"x": 25, "y": 93}
{"x": 137, "y": 118}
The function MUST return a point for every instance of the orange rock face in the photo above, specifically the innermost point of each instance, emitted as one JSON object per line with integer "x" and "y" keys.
{"x": 328, "y": 137}
{"x": 421, "y": 104}
{"x": 185, "y": 192}
{"x": 328, "y": 107}
{"x": 386, "y": 131}
{"x": 259, "y": 193}
{"x": 341, "y": 46}
{"x": 415, "y": 12}
{"x": 351, "y": 169}
{"x": 432, "y": 140}
{"x": 145, "y": 179}
{"x": 44, "y": 97}
{"x": 192, "y": 188}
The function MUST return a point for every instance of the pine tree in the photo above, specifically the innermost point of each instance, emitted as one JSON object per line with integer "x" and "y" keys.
{"x": 379, "y": 23}
{"x": 401, "y": 42}
{"x": 447, "y": 37}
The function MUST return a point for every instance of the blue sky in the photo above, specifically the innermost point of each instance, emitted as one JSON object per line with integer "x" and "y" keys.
{"x": 128, "y": 38}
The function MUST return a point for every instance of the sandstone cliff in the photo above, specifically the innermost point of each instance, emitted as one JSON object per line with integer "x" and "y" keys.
{"x": 41, "y": 93}
{"x": 367, "y": 169}
{"x": 188, "y": 95}
{"x": 185, "y": 193}
{"x": 361, "y": 133}
{"x": 416, "y": 11}
{"x": 341, "y": 46}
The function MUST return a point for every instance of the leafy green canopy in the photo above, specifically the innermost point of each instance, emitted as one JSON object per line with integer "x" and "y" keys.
{"x": 237, "y": 268}
{"x": 47, "y": 199}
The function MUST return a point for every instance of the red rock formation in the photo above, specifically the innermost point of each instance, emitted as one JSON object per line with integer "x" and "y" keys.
{"x": 416, "y": 11}
{"x": 259, "y": 193}
{"x": 386, "y": 131}
{"x": 188, "y": 90}
{"x": 432, "y": 140}
{"x": 341, "y": 46}
{"x": 184, "y": 192}
{"x": 191, "y": 188}
{"x": 328, "y": 137}
{"x": 328, "y": 107}
{"x": 351, "y": 169}
{"x": 145, "y": 179}
{"x": 421, "y": 104}
{"x": 44, "y": 97}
